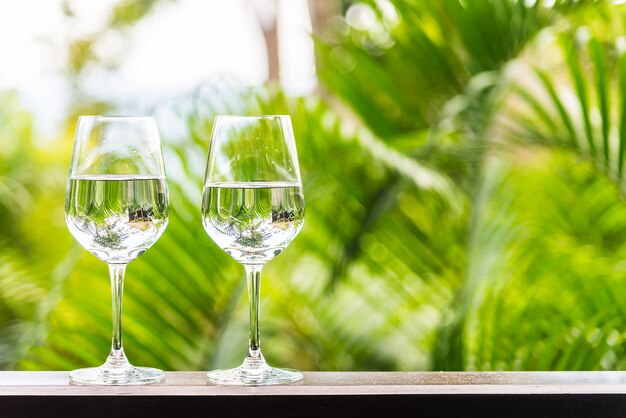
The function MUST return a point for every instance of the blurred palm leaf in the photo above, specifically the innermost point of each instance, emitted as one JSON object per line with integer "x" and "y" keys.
{"x": 396, "y": 64}
{"x": 583, "y": 111}
{"x": 544, "y": 293}
{"x": 452, "y": 78}
{"x": 550, "y": 232}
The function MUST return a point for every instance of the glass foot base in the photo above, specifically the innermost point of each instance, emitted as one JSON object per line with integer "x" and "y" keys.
{"x": 105, "y": 376}
{"x": 253, "y": 373}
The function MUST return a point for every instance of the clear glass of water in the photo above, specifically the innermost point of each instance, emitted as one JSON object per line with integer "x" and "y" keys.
{"x": 116, "y": 206}
{"x": 253, "y": 207}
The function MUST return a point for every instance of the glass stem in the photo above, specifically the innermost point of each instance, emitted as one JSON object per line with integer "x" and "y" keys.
{"x": 253, "y": 275}
{"x": 117, "y": 288}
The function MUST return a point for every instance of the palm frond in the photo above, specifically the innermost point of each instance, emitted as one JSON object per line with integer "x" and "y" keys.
{"x": 549, "y": 300}
{"x": 397, "y": 74}
{"x": 590, "y": 95}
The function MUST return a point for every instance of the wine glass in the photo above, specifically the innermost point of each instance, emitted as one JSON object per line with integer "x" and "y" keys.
{"x": 253, "y": 207}
{"x": 116, "y": 207}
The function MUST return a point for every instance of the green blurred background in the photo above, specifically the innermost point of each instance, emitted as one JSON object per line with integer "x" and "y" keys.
{"x": 463, "y": 167}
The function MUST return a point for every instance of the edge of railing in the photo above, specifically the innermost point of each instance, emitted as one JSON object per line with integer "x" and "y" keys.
{"x": 440, "y": 394}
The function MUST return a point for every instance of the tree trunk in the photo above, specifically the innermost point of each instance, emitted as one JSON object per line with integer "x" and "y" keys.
{"x": 267, "y": 15}
{"x": 321, "y": 11}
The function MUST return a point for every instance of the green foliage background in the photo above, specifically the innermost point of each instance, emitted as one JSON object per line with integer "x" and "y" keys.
{"x": 463, "y": 171}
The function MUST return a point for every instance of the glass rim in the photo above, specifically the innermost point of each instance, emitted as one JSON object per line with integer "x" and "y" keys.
{"x": 114, "y": 117}
{"x": 252, "y": 116}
